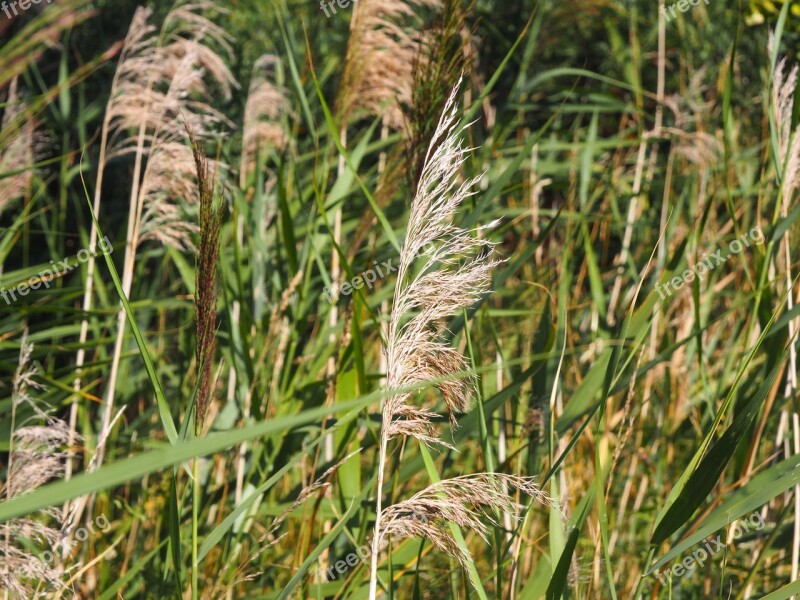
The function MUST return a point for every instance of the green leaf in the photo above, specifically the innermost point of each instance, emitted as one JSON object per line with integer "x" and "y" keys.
{"x": 758, "y": 491}
{"x": 161, "y": 399}
{"x": 149, "y": 462}
{"x": 710, "y": 469}
{"x": 558, "y": 583}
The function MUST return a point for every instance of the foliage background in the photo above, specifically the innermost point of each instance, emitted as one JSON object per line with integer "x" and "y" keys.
{"x": 611, "y": 401}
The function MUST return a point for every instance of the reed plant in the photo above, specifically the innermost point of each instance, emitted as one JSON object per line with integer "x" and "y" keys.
{"x": 515, "y": 412}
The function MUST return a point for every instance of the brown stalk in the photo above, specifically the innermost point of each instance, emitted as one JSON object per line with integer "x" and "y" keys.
{"x": 206, "y": 281}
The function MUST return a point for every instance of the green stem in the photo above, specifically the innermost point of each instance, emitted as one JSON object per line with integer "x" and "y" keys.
{"x": 195, "y": 514}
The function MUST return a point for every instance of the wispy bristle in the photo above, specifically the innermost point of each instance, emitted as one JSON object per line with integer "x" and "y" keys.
{"x": 320, "y": 483}
{"x": 378, "y": 75}
{"x": 788, "y": 142}
{"x": 18, "y": 157}
{"x": 266, "y": 104}
{"x": 454, "y": 272}
{"x": 468, "y": 501}
{"x": 35, "y": 457}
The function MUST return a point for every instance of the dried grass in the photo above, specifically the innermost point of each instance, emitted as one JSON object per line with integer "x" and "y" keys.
{"x": 452, "y": 271}
{"x": 266, "y": 105}
{"x": 35, "y": 458}
{"x": 19, "y": 155}
{"x": 381, "y": 53}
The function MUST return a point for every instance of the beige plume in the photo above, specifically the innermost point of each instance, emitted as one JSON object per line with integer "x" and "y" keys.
{"x": 35, "y": 458}
{"x": 468, "y": 501}
{"x": 788, "y": 144}
{"x": 381, "y": 52}
{"x": 443, "y": 283}
{"x": 443, "y": 269}
{"x": 18, "y": 155}
{"x": 266, "y": 104}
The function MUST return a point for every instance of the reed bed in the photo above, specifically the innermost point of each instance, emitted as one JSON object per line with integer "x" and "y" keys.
{"x": 383, "y": 317}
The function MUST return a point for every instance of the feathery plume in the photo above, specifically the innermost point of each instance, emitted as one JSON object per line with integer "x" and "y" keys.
{"x": 169, "y": 175}
{"x": 206, "y": 285}
{"x": 186, "y": 21}
{"x": 18, "y": 156}
{"x": 468, "y": 501}
{"x": 157, "y": 92}
{"x": 440, "y": 288}
{"x": 378, "y": 76}
{"x": 454, "y": 272}
{"x": 35, "y": 457}
{"x": 266, "y": 104}
{"x": 377, "y": 80}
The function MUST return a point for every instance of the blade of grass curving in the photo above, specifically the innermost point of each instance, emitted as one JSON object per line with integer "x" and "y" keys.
{"x": 691, "y": 467}
{"x": 151, "y": 461}
{"x": 558, "y": 582}
{"x": 787, "y": 591}
{"x": 163, "y": 406}
{"x": 758, "y": 491}
{"x": 705, "y": 476}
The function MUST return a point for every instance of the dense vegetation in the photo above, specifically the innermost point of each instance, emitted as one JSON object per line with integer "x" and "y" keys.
{"x": 442, "y": 298}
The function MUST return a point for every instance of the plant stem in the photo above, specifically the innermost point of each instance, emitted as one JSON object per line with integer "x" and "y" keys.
{"x": 373, "y": 576}
{"x": 195, "y": 516}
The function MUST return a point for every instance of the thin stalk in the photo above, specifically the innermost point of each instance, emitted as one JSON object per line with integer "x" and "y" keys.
{"x": 10, "y": 464}
{"x": 195, "y": 518}
{"x": 127, "y": 279}
{"x": 236, "y": 313}
{"x": 90, "y": 270}
{"x": 385, "y": 422}
{"x": 373, "y": 575}
{"x": 333, "y": 318}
